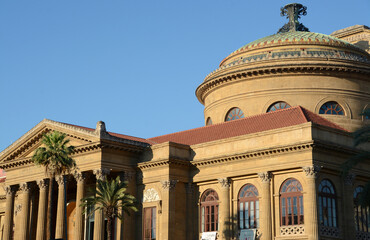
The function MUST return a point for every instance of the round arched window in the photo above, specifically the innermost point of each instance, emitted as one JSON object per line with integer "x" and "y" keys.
{"x": 291, "y": 203}
{"x": 209, "y": 121}
{"x": 327, "y": 204}
{"x": 278, "y": 106}
{"x": 233, "y": 114}
{"x": 362, "y": 214}
{"x": 248, "y": 207}
{"x": 332, "y": 108}
{"x": 209, "y": 211}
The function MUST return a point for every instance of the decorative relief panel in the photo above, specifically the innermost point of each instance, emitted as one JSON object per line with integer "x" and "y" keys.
{"x": 329, "y": 231}
{"x": 292, "y": 230}
{"x": 362, "y": 235}
{"x": 150, "y": 195}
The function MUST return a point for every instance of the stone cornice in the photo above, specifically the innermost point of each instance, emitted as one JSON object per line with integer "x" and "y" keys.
{"x": 222, "y": 76}
{"x": 35, "y": 134}
{"x": 255, "y": 154}
{"x": 164, "y": 162}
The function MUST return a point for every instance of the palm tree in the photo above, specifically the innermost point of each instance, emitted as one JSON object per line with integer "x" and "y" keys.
{"x": 111, "y": 198}
{"x": 54, "y": 156}
{"x": 361, "y": 137}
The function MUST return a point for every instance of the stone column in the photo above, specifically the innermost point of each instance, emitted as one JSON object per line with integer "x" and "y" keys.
{"x": 265, "y": 207}
{"x": 43, "y": 203}
{"x": 9, "y": 212}
{"x": 79, "y": 222}
{"x": 310, "y": 200}
{"x": 224, "y": 209}
{"x": 349, "y": 224}
{"x": 24, "y": 218}
{"x": 100, "y": 174}
{"x": 61, "y": 209}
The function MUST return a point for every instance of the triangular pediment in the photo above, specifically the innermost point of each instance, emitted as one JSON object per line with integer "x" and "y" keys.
{"x": 29, "y": 142}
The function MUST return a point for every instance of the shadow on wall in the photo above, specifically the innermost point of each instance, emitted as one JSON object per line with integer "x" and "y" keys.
{"x": 363, "y": 45}
{"x": 232, "y": 230}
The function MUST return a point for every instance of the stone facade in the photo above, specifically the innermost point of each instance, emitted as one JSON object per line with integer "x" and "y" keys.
{"x": 171, "y": 175}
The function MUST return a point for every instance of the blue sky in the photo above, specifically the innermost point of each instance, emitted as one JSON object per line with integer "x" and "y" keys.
{"x": 133, "y": 64}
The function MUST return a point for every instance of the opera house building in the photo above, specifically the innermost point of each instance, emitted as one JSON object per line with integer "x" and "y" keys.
{"x": 279, "y": 113}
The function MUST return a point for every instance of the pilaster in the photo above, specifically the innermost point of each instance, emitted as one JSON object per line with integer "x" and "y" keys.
{"x": 265, "y": 208}
{"x": 349, "y": 224}
{"x": 224, "y": 209}
{"x": 168, "y": 206}
{"x": 311, "y": 220}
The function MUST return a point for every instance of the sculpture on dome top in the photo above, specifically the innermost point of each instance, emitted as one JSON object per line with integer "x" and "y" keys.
{"x": 293, "y": 11}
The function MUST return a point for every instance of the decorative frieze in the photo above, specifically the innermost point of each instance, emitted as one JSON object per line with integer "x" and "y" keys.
{"x": 224, "y": 182}
{"x": 330, "y": 231}
{"x": 101, "y": 173}
{"x": 312, "y": 171}
{"x": 150, "y": 195}
{"x": 292, "y": 230}
{"x": 265, "y": 177}
{"x": 43, "y": 184}
{"x": 169, "y": 184}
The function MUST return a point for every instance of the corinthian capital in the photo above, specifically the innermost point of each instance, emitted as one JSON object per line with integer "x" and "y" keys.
{"x": 312, "y": 171}
{"x": 9, "y": 190}
{"x": 349, "y": 179}
{"x": 101, "y": 173}
{"x": 169, "y": 184}
{"x": 224, "y": 182}
{"x": 79, "y": 176}
{"x": 265, "y": 177}
{"x": 128, "y": 176}
{"x": 24, "y": 187}
{"x": 43, "y": 184}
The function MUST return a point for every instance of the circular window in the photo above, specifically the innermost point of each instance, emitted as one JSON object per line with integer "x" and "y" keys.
{"x": 332, "y": 108}
{"x": 278, "y": 106}
{"x": 233, "y": 114}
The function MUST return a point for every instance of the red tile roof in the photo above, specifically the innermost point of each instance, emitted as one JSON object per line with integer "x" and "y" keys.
{"x": 253, "y": 124}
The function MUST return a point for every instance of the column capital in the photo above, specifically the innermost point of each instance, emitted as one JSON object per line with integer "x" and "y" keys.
{"x": 61, "y": 180}
{"x": 101, "y": 173}
{"x": 79, "y": 176}
{"x": 24, "y": 187}
{"x": 18, "y": 209}
{"x": 265, "y": 177}
{"x": 43, "y": 184}
{"x": 349, "y": 179}
{"x": 224, "y": 182}
{"x": 169, "y": 184}
{"x": 9, "y": 190}
{"x": 311, "y": 171}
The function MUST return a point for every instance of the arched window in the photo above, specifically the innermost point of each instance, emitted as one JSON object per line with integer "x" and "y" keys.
{"x": 209, "y": 121}
{"x": 209, "y": 211}
{"x": 291, "y": 203}
{"x": 327, "y": 204}
{"x": 233, "y": 114}
{"x": 248, "y": 207}
{"x": 332, "y": 108}
{"x": 278, "y": 106}
{"x": 362, "y": 214}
